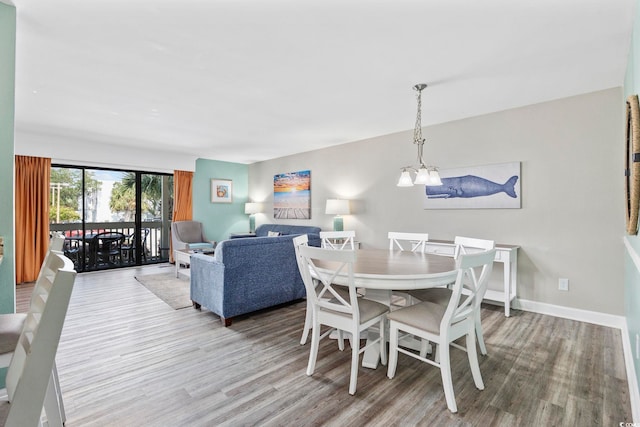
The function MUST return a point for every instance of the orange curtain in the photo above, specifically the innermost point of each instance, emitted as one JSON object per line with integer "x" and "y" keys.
{"x": 182, "y": 199}
{"x": 33, "y": 175}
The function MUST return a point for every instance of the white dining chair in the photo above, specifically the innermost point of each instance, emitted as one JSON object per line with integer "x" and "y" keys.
{"x": 11, "y": 324}
{"x": 414, "y": 242}
{"x": 338, "y": 239}
{"x": 31, "y": 378}
{"x": 463, "y": 245}
{"x": 344, "y": 291}
{"x": 443, "y": 325}
{"x": 329, "y": 308}
{"x": 303, "y": 240}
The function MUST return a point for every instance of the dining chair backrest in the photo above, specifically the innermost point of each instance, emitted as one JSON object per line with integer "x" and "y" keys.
{"x": 56, "y": 243}
{"x": 417, "y": 241}
{"x": 463, "y": 305}
{"x": 301, "y": 240}
{"x": 32, "y": 363}
{"x": 338, "y": 239}
{"x": 324, "y": 295}
{"x": 467, "y": 245}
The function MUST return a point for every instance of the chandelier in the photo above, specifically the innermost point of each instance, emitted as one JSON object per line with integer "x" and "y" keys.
{"x": 425, "y": 175}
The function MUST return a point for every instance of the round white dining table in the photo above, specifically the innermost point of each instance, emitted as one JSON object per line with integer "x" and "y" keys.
{"x": 397, "y": 270}
{"x": 381, "y": 271}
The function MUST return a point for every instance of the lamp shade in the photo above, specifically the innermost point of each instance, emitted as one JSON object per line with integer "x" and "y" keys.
{"x": 252, "y": 208}
{"x": 337, "y": 207}
{"x": 405, "y": 179}
{"x": 422, "y": 176}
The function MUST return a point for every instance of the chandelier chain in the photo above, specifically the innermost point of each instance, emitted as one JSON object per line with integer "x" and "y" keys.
{"x": 417, "y": 132}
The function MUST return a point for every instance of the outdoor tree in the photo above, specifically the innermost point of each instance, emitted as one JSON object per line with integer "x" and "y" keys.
{"x": 66, "y": 193}
{"x": 123, "y": 196}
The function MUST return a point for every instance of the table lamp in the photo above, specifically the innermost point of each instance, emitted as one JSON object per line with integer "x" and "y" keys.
{"x": 337, "y": 207}
{"x": 251, "y": 209}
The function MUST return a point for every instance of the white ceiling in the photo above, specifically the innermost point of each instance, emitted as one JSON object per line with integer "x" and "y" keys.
{"x": 250, "y": 80}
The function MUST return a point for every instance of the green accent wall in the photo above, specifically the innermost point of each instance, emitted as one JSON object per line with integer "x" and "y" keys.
{"x": 220, "y": 219}
{"x": 7, "y": 114}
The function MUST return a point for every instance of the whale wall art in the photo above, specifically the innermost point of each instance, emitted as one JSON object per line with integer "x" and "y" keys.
{"x": 477, "y": 187}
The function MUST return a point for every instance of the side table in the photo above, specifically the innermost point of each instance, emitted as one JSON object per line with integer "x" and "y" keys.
{"x": 182, "y": 258}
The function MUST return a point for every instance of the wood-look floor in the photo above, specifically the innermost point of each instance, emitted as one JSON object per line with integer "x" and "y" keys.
{"x": 128, "y": 359}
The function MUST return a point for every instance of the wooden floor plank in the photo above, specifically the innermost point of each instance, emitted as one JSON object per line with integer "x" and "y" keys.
{"x": 128, "y": 359}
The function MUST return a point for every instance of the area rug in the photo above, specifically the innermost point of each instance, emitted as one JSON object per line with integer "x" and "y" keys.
{"x": 168, "y": 288}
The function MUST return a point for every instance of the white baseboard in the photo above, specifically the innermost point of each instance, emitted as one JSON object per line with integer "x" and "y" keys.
{"x": 632, "y": 379}
{"x": 580, "y": 315}
{"x": 602, "y": 319}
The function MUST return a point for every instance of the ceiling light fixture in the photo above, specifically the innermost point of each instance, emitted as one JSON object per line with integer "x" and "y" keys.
{"x": 425, "y": 175}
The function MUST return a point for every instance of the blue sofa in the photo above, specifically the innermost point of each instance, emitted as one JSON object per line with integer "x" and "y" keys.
{"x": 249, "y": 274}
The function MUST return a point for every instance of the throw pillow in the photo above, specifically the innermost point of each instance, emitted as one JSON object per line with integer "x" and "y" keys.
{"x": 273, "y": 233}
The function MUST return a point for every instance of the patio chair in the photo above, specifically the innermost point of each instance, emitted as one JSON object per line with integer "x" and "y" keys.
{"x": 129, "y": 246}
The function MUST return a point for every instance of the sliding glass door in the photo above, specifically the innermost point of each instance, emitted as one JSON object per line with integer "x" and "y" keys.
{"x": 111, "y": 218}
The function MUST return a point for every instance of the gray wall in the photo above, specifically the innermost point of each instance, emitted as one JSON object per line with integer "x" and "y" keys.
{"x": 572, "y": 215}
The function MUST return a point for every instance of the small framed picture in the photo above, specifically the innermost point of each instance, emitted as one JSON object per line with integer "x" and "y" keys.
{"x": 221, "y": 190}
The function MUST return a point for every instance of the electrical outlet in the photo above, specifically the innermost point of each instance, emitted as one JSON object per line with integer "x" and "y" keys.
{"x": 563, "y": 284}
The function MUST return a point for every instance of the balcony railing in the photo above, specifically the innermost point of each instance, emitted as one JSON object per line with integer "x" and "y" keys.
{"x": 156, "y": 245}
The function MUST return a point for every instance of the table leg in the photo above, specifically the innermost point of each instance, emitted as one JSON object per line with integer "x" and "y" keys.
{"x": 507, "y": 288}
{"x": 372, "y": 354}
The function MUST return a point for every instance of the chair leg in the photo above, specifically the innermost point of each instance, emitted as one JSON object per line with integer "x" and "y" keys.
{"x": 424, "y": 347}
{"x": 472, "y": 354}
{"x": 340, "y": 339}
{"x": 383, "y": 343}
{"x": 307, "y": 324}
{"x": 59, "y": 393}
{"x": 313, "y": 352}
{"x": 52, "y": 404}
{"x": 483, "y": 348}
{"x": 393, "y": 350}
{"x": 445, "y": 371}
{"x": 355, "y": 353}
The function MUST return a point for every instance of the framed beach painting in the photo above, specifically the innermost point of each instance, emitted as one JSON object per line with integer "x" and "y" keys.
{"x": 494, "y": 186}
{"x": 221, "y": 190}
{"x": 292, "y": 195}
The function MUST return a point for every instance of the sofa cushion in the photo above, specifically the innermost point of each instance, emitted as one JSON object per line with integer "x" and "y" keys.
{"x": 285, "y": 229}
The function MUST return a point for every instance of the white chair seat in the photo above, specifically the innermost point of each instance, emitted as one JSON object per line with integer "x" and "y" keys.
{"x": 10, "y": 328}
{"x": 434, "y": 295}
{"x": 425, "y": 315}
{"x": 368, "y": 309}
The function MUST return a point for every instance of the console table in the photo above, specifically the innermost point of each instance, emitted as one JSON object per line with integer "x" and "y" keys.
{"x": 505, "y": 254}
